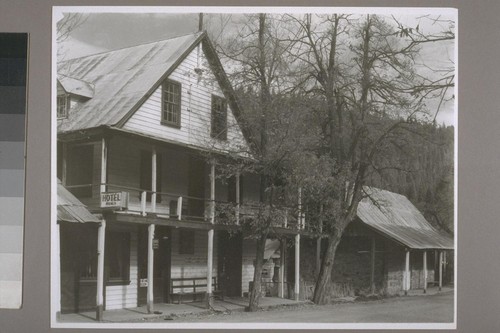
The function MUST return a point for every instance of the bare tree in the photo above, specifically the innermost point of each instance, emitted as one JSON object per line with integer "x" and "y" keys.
{"x": 362, "y": 73}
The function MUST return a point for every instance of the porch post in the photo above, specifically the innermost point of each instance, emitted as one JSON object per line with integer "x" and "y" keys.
{"x": 372, "y": 270}
{"x": 238, "y": 198}
{"x": 440, "y": 270}
{"x": 153, "y": 179}
{"x": 425, "y": 271}
{"x": 211, "y": 236}
{"x": 104, "y": 164}
{"x": 407, "y": 272}
{"x": 297, "y": 266}
{"x": 150, "y": 296}
{"x": 281, "y": 276}
{"x": 101, "y": 235}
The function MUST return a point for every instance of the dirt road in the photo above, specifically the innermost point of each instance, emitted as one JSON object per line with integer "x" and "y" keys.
{"x": 416, "y": 309}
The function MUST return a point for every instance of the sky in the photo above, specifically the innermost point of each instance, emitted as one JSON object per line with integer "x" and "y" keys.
{"x": 100, "y": 32}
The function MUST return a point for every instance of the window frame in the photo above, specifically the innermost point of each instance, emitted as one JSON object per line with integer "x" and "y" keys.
{"x": 164, "y": 121}
{"x": 124, "y": 257}
{"x": 67, "y": 105}
{"x": 215, "y": 132}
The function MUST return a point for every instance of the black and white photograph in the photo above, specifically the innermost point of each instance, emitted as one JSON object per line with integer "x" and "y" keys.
{"x": 254, "y": 167}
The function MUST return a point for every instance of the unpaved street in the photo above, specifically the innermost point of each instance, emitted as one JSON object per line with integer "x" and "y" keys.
{"x": 416, "y": 309}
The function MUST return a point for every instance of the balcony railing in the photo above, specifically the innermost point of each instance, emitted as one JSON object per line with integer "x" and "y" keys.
{"x": 187, "y": 208}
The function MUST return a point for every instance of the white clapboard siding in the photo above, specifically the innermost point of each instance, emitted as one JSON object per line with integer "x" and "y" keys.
{"x": 247, "y": 267}
{"x": 192, "y": 265}
{"x": 196, "y": 104}
{"x": 119, "y": 297}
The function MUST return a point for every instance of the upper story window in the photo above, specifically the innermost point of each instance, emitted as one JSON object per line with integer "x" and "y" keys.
{"x": 63, "y": 104}
{"x": 219, "y": 118}
{"x": 171, "y": 104}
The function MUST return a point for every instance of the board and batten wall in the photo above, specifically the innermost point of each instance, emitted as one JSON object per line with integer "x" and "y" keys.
{"x": 196, "y": 102}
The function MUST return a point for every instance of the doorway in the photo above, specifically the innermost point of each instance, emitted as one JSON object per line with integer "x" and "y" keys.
{"x": 161, "y": 265}
{"x": 230, "y": 248}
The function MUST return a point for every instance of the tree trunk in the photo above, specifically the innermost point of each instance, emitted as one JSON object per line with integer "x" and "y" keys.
{"x": 326, "y": 269}
{"x": 253, "y": 304}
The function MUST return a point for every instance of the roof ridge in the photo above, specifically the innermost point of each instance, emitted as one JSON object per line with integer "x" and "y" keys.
{"x": 131, "y": 46}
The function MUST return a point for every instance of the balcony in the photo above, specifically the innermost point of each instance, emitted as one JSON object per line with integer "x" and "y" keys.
{"x": 179, "y": 207}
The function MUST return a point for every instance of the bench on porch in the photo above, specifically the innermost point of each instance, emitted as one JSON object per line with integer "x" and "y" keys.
{"x": 192, "y": 286}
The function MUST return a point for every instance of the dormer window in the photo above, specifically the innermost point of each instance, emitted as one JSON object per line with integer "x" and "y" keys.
{"x": 219, "y": 118}
{"x": 63, "y": 105}
{"x": 171, "y": 104}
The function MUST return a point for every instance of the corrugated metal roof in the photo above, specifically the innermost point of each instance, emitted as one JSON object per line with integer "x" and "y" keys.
{"x": 70, "y": 209}
{"x": 395, "y": 216}
{"x": 121, "y": 78}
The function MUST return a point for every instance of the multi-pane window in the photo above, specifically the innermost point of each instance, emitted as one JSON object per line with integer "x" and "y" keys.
{"x": 219, "y": 118}
{"x": 171, "y": 103}
{"x": 63, "y": 102}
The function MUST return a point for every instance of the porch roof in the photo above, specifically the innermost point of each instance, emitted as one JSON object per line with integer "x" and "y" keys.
{"x": 70, "y": 209}
{"x": 396, "y": 217}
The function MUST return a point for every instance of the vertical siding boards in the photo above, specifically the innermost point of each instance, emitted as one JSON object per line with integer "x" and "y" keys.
{"x": 195, "y": 109}
{"x": 192, "y": 265}
{"x": 247, "y": 264}
{"x": 125, "y": 296}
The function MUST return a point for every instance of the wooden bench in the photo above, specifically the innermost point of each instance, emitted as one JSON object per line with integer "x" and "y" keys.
{"x": 192, "y": 286}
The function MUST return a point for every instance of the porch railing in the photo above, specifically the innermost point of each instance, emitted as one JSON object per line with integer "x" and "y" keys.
{"x": 188, "y": 208}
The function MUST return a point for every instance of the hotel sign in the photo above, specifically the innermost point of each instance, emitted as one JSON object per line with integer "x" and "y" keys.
{"x": 114, "y": 200}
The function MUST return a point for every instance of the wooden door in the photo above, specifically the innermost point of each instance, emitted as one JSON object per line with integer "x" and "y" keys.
{"x": 230, "y": 248}
{"x": 162, "y": 265}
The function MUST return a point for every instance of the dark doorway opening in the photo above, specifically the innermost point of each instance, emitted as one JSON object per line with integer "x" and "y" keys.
{"x": 230, "y": 247}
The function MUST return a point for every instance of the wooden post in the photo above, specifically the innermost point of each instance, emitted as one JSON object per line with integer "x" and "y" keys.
{"x": 143, "y": 203}
{"x": 101, "y": 235}
{"x": 425, "y": 271}
{"x": 281, "y": 276}
{"x": 297, "y": 267}
{"x": 150, "y": 296}
{"x": 238, "y": 198}
{"x": 104, "y": 164}
{"x": 210, "y": 251}
{"x": 372, "y": 270}
{"x": 153, "y": 179}
{"x": 407, "y": 276}
{"x": 179, "y": 208}
{"x": 440, "y": 270}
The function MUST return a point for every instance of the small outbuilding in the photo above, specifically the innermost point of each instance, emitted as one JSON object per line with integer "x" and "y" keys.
{"x": 389, "y": 249}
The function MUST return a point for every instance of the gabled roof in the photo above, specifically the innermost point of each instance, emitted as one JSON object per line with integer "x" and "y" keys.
{"x": 122, "y": 79}
{"x": 396, "y": 217}
{"x": 70, "y": 209}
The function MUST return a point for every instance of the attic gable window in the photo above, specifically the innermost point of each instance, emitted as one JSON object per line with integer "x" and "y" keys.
{"x": 63, "y": 104}
{"x": 171, "y": 104}
{"x": 219, "y": 118}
